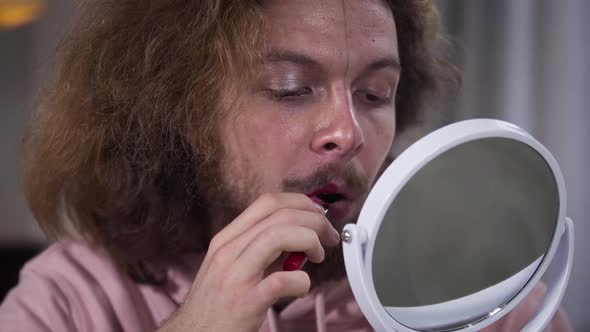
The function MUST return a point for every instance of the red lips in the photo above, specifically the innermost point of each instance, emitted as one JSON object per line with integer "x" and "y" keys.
{"x": 330, "y": 188}
{"x": 327, "y": 194}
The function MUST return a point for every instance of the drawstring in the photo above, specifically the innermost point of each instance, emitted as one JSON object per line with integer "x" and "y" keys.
{"x": 271, "y": 316}
{"x": 320, "y": 312}
{"x": 320, "y": 315}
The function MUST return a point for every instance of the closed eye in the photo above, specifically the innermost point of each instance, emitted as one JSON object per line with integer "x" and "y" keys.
{"x": 372, "y": 99}
{"x": 281, "y": 94}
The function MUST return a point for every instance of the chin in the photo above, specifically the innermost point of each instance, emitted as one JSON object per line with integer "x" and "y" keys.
{"x": 331, "y": 269}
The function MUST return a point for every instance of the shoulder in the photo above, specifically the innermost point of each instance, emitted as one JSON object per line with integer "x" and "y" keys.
{"x": 68, "y": 287}
{"x": 64, "y": 256}
{"x": 75, "y": 269}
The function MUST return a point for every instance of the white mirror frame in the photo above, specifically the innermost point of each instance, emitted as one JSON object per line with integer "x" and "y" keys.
{"x": 359, "y": 239}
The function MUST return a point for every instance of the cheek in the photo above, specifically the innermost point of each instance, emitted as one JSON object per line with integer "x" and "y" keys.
{"x": 379, "y": 134}
{"x": 266, "y": 140}
{"x": 383, "y": 127}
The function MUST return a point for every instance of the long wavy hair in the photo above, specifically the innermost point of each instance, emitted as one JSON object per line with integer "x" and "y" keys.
{"x": 123, "y": 145}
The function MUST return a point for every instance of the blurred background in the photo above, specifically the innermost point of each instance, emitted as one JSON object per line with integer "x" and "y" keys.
{"x": 524, "y": 61}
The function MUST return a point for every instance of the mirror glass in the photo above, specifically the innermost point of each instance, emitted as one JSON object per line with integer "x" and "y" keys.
{"x": 465, "y": 234}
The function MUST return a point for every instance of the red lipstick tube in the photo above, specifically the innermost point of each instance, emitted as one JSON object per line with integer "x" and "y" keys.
{"x": 295, "y": 260}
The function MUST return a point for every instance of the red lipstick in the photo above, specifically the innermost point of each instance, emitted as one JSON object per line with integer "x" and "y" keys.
{"x": 295, "y": 260}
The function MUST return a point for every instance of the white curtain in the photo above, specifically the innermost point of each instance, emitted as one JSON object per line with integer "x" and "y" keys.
{"x": 528, "y": 62}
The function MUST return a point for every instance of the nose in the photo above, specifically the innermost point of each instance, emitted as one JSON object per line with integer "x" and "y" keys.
{"x": 340, "y": 136}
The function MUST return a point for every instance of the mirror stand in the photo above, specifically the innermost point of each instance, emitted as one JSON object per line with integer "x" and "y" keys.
{"x": 557, "y": 279}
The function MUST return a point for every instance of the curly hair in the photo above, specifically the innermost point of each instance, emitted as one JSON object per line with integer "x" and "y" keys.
{"x": 121, "y": 149}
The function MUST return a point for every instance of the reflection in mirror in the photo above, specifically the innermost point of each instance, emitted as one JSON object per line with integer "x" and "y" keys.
{"x": 480, "y": 215}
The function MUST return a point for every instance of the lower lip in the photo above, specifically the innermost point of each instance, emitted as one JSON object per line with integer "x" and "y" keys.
{"x": 318, "y": 201}
{"x": 337, "y": 209}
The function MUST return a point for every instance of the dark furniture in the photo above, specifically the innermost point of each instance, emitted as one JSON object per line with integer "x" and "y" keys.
{"x": 12, "y": 259}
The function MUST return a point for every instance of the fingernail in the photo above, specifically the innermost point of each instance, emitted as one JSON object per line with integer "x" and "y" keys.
{"x": 320, "y": 208}
{"x": 335, "y": 235}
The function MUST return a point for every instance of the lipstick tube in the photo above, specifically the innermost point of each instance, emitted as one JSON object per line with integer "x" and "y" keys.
{"x": 295, "y": 260}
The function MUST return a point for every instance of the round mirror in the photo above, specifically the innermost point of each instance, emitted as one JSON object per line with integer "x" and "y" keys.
{"x": 480, "y": 214}
{"x": 457, "y": 229}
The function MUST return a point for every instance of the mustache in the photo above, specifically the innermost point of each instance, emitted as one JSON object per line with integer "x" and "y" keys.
{"x": 352, "y": 179}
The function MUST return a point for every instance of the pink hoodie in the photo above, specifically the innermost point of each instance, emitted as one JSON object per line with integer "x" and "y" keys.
{"x": 70, "y": 287}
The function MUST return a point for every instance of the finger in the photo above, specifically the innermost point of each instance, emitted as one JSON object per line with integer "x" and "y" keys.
{"x": 269, "y": 245}
{"x": 315, "y": 221}
{"x": 262, "y": 208}
{"x": 289, "y": 217}
{"x": 276, "y": 286}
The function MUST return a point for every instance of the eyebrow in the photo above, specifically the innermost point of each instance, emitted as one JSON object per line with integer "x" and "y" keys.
{"x": 304, "y": 60}
{"x": 288, "y": 56}
{"x": 387, "y": 62}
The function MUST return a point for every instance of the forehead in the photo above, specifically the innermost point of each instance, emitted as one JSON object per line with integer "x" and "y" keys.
{"x": 349, "y": 31}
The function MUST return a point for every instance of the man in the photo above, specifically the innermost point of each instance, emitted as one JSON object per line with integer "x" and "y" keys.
{"x": 188, "y": 146}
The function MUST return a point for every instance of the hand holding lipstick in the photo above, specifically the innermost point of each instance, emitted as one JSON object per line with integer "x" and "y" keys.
{"x": 296, "y": 260}
{"x": 241, "y": 275}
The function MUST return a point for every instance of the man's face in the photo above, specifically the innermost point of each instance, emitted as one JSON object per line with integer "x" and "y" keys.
{"x": 320, "y": 118}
